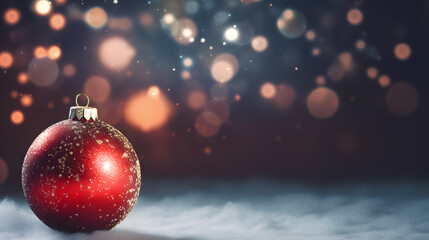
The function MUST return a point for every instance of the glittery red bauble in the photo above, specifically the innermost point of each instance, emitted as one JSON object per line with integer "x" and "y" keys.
{"x": 81, "y": 176}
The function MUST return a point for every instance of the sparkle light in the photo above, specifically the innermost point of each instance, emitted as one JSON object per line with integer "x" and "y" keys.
{"x": 185, "y": 31}
{"x": 292, "y": 23}
{"x": 354, "y": 16}
{"x": 43, "y": 71}
{"x": 16, "y": 117}
{"x": 122, "y": 24}
{"x": 26, "y": 100}
{"x": 224, "y": 67}
{"x": 116, "y": 53}
{"x": 57, "y": 21}
{"x": 42, "y": 7}
{"x": 322, "y": 103}
{"x": 96, "y": 17}
{"x": 402, "y": 99}
{"x": 153, "y": 91}
{"x": 146, "y": 20}
{"x": 146, "y": 112}
{"x": 6, "y": 60}
{"x": 231, "y": 34}
{"x": 54, "y": 52}
{"x": 12, "y": 16}
{"x": 97, "y": 88}
{"x": 259, "y": 43}
{"x": 268, "y": 90}
{"x": 402, "y": 51}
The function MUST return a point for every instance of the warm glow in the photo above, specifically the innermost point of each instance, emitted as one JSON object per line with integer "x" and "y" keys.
{"x": 43, "y": 71}
{"x": 122, "y": 24}
{"x": 96, "y": 17}
{"x": 22, "y": 78}
{"x": 346, "y": 60}
{"x": 97, "y": 88}
{"x": 69, "y": 70}
{"x": 186, "y": 75}
{"x": 372, "y": 72}
{"x": 292, "y": 23}
{"x": 40, "y": 52}
{"x": 231, "y": 34}
{"x": 26, "y": 100}
{"x": 285, "y": 96}
{"x": 16, "y": 117}
{"x": 185, "y": 31}
{"x": 355, "y": 16}
{"x": 168, "y": 19}
{"x": 402, "y": 99}
{"x": 224, "y": 67}
{"x": 360, "y": 44}
{"x": 268, "y": 90}
{"x": 196, "y": 100}
{"x": 6, "y": 60}
{"x": 310, "y": 35}
{"x": 402, "y": 51}
{"x": 12, "y": 16}
{"x": 57, "y": 21}
{"x": 322, "y": 103}
{"x": 315, "y": 52}
{"x": 320, "y": 80}
{"x": 146, "y": 112}
{"x": 54, "y": 52}
{"x": 154, "y": 91}
{"x": 384, "y": 80}
{"x": 146, "y": 19}
{"x": 187, "y": 62}
{"x": 116, "y": 53}
{"x": 60, "y": 2}
{"x": 259, "y": 43}
{"x": 42, "y": 7}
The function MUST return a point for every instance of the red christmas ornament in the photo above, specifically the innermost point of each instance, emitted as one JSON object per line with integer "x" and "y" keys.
{"x": 81, "y": 174}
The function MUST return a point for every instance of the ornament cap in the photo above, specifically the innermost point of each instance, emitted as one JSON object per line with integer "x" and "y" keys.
{"x": 83, "y": 113}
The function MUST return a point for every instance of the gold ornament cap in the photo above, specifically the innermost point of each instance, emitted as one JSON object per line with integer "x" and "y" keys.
{"x": 83, "y": 113}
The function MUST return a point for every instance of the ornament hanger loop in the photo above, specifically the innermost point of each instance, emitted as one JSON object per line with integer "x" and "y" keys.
{"x": 87, "y": 98}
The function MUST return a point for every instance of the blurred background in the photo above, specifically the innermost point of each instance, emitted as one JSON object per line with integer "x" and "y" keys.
{"x": 226, "y": 91}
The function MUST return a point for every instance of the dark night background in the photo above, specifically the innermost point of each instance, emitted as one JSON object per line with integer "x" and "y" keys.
{"x": 363, "y": 141}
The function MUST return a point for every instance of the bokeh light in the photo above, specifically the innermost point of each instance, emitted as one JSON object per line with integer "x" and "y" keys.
{"x": 57, "y": 21}
{"x": 168, "y": 19}
{"x": 12, "y": 16}
{"x": 116, "y": 53}
{"x": 402, "y": 51}
{"x": 146, "y": 19}
{"x": 372, "y": 72}
{"x": 96, "y": 17}
{"x": 16, "y": 117}
{"x": 40, "y": 52}
{"x": 43, "y": 71}
{"x": 188, "y": 62}
{"x": 219, "y": 91}
{"x": 268, "y": 90}
{"x": 69, "y": 70}
{"x": 26, "y": 100}
{"x": 292, "y": 23}
{"x": 224, "y": 67}
{"x": 310, "y": 35}
{"x": 259, "y": 43}
{"x": 354, "y": 16}
{"x": 207, "y": 124}
{"x": 54, "y": 52}
{"x": 322, "y": 103}
{"x": 97, "y": 88}
{"x": 154, "y": 91}
{"x": 22, "y": 78}
{"x": 4, "y": 171}
{"x": 191, "y": 7}
{"x": 402, "y": 99}
{"x": 320, "y": 80}
{"x": 185, "y": 31}
{"x": 360, "y": 44}
{"x": 346, "y": 60}
{"x": 42, "y": 7}
{"x": 122, "y": 24}
{"x": 6, "y": 60}
{"x": 196, "y": 99}
{"x": 285, "y": 96}
{"x": 218, "y": 107}
{"x": 146, "y": 112}
{"x": 384, "y": 80}
{"x": 231, "y": 34}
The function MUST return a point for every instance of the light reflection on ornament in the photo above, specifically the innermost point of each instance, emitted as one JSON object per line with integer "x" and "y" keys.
{"x": 116, "y": 53}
